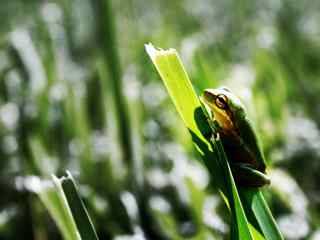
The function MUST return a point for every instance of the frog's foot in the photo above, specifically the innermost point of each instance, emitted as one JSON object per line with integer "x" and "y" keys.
{"x": 214, "y": 129}
{"x": 208, "y": 133}
{"x": 246, "y": 176}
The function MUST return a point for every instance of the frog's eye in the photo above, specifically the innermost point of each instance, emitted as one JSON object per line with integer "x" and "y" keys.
{"x": 221, "y": 101}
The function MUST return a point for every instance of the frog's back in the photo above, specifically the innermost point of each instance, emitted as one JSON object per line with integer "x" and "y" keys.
{"x": 251, "y": 141}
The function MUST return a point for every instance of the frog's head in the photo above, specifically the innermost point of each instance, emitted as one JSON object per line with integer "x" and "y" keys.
{"x": 225, "y": 106}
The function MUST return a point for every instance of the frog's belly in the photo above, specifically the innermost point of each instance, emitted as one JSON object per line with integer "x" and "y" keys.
{"x": 238, "y": 154}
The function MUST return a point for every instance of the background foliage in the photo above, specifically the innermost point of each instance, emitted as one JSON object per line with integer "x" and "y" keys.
{"x": 78, "y": 92}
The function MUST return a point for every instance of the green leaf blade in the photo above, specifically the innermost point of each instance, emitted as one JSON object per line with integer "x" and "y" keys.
{"x": 54, "y": 200}
{"x": 78, "y": 209}
{"x": 256, "y": 205}
{"x": 177, "y": 83}
{"x": 241, "y": 228}
{"x": 180, "y": 89}
{"x": 62, "y": 199}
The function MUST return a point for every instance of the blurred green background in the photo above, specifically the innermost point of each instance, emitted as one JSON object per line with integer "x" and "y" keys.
{"x": 78, "y": 93}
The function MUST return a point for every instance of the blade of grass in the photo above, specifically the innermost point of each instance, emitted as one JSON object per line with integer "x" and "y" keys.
{"x": 61, "y": 198}
{"x": 76, "y": 206}
{"x": 256, "y": 206}
{"x": 188, "y": 106}
{"x": 108, "y": 42}
{"x": 239, "y": 218}
{"x": 54, "y": 200}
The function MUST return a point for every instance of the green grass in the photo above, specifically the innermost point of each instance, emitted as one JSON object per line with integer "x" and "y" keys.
{"x": 63, "y": 201}
{"x": 126, "y": 151}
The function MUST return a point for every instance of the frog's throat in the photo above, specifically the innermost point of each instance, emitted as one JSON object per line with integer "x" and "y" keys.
{"x": 224, "y": 120}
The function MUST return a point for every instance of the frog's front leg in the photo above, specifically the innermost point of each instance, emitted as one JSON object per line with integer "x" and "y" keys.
{"x": 209, "y": 134}
{"x": 246, "y": 176}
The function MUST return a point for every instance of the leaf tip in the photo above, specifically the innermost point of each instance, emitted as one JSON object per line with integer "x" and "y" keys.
{"x": 55, "y": 179}
{"x": 151, "y": 50}
{"x": 156, "y": 52}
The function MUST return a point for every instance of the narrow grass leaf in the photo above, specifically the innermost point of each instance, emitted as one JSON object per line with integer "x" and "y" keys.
{"x": 77, "y": 207}
{"x": 188, "y": 106}
{"x": 54, "y": 200}
{"x": 256, "y": 206}
{"x": 240, "y": 228}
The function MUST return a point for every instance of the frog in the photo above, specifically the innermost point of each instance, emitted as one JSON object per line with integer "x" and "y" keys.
{"x": 238, "y": 136}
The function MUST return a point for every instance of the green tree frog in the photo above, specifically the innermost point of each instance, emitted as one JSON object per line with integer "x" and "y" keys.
{"x": 238, "y": 137}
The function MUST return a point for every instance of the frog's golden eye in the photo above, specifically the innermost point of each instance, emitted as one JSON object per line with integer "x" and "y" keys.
{"x": 221, "y": 101}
